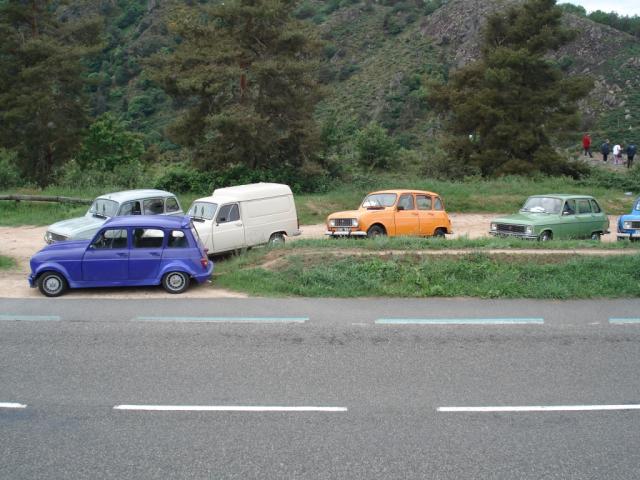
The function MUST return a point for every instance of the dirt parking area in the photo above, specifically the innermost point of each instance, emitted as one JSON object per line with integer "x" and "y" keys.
{"x": 21, "y": 243}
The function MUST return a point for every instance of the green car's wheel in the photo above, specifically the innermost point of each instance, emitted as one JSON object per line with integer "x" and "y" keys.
{"x": 597, "y": 236}
{"x": 545, "y": 236}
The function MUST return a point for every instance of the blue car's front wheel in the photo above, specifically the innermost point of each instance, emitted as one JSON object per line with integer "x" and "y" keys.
{"x": 52, "y": 284}
{"x": 175, "y": 282}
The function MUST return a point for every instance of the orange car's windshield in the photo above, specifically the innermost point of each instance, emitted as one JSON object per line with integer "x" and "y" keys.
{"x": 379, "y": 200}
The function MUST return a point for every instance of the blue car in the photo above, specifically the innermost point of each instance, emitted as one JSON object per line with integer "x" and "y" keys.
{"x": 629, "y": 225}
{"x": 125, "y": 252}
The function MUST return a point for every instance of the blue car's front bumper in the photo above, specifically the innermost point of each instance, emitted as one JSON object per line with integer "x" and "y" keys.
{"x": 32, "y": 280}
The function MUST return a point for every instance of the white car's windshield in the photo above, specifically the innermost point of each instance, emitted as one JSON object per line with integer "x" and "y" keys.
{"x": 379, "y": 200}
{"x": 542, "y": 205}
{"x": 104, "y": 208}
{"x": 202, "y": 210}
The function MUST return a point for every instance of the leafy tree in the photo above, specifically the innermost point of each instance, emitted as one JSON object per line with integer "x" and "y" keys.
{"x": 506, "y": 108}
{"x": 245, "y": 72}
{"x": 110, "y": 155}
{"x": 374, "y": 147}
{"x": 42, "y": 102}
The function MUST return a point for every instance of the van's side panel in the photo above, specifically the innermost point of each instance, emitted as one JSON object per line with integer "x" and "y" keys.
{"x": 265, "y": 216}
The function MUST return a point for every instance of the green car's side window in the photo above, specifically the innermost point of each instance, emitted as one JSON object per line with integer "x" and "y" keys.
{"x": 569, "y": 207}
{"x": 595, "y": 207}
{"x": 583, "y": 206}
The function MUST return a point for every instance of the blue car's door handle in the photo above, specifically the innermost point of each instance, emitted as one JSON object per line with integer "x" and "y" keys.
{"x": 122, "y": 254}
{"x": 154, "y": 254}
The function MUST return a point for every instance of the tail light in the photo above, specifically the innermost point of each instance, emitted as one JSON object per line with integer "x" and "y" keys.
{"x": 204, "y": 261}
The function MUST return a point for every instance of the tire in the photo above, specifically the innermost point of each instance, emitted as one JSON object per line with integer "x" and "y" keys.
{"x": 596, "y": 236}
{"x": 175, "y": 282}
{"x": 440, "y": 232}
{"x": 52, "y": 284}
{"x": 376, "y": 231}
{"x": 545, "y": 236}
{"x": 276, "y": 239}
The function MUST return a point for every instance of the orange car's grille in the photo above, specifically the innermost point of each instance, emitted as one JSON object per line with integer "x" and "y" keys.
{"x": 343, "y": 222}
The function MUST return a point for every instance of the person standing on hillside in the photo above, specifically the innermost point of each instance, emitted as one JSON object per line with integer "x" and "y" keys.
{"x": 617, "y": 154}
{"x": 631, "y": 152}
{"x": 586, "y": 145}
{"x": 604, "y": 150}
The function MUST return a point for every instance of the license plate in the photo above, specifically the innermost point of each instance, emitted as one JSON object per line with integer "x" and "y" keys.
{"x": 343, "y": 229}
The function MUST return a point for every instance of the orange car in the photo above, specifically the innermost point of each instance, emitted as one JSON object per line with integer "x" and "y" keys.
{"x": 392, "y": 212}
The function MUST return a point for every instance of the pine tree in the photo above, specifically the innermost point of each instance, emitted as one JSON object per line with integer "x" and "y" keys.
{"x": 42, "y": 103}
{"x": 245, "y": 72}
{"x": 506, "y": 108}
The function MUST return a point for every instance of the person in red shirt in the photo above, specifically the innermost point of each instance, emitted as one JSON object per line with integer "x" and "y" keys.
{"x": 586, "y": 145}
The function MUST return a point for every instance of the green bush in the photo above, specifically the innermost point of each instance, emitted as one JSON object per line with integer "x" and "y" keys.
{"x": 375, "y": 148}
{"x": 110, "y": 155}
{"x": 181, "y": 178}
{"x": 9, "y": 172}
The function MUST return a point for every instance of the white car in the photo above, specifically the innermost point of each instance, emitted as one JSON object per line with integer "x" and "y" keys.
{"x": 130, "y": 202}
{"x": 244, "y": 216}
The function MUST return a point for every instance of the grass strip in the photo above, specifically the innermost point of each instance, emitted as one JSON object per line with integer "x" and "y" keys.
{"x": 475, "y": 275}
{"x": 6, "y": 263}
{"x": 433, "y": 243}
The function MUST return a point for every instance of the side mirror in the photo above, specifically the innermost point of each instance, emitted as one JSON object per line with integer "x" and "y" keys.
{"x": 400, "y": 208}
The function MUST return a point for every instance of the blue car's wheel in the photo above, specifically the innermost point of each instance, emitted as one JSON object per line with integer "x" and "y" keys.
{"x": 52, "y": 284}
{"x": 175, "y": 282}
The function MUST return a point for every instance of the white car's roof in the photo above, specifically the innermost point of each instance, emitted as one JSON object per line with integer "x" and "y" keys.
{"x": 135, "y": 195}
{"x": 252, "y": 191}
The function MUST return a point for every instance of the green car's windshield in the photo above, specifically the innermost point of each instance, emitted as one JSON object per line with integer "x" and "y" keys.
{"x": 542, "y": 205}
{"x": 379, "y": 200}
{"x": 104, "y": 208}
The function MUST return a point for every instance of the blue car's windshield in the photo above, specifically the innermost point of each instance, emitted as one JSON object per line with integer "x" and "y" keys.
{"x": 103, "y": 208}
{"x": 542, "y": 205}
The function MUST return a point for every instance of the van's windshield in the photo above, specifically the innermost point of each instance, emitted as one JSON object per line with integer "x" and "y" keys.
{"x": 202, "y": 210}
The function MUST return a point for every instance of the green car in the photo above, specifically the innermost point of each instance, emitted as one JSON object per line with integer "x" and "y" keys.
{"x": 543, "y": 217}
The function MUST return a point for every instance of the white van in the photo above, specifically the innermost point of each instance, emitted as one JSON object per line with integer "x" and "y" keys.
{"x": 244, "y": 216}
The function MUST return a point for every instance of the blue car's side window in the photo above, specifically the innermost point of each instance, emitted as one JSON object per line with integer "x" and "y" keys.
{"x": 111, "y": 238}
{"x": 147, "y": 238}
{"x": 177, "y": 239}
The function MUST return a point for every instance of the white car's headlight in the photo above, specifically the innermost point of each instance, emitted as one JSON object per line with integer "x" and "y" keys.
{"x": 494, "y": 227}
{"x": 627, "y": 225}
{"x": 528, "y": 229}
{"x": 332, "y": 223}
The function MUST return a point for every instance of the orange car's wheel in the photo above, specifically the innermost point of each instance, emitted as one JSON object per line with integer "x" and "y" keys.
{"x": 376, "y": 231}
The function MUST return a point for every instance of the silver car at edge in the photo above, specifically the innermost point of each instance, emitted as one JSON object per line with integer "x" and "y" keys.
{"x": 117, "y": 204}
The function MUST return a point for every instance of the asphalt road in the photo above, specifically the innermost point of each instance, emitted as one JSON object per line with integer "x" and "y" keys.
{"x": 385, "y": 387}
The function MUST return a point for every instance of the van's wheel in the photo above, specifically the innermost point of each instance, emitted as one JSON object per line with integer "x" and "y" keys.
{"x": 52, "y": 284}
{"x": 376, "y": 231}
{"x": 276, "y": 239}
{"x": 175, "y": 282}
{"x": 440, "y": 232}
{"x": 597, "y": 236}
{"x": 545, "y": 236}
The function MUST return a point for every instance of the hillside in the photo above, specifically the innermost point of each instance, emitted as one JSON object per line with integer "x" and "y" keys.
{"x": 377, "y": 56}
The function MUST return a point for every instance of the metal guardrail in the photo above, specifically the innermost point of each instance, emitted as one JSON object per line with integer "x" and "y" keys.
{"x": 46, "y": 198}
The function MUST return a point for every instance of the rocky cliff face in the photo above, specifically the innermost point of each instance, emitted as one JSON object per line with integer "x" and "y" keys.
{"x": 609, "y": 56}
